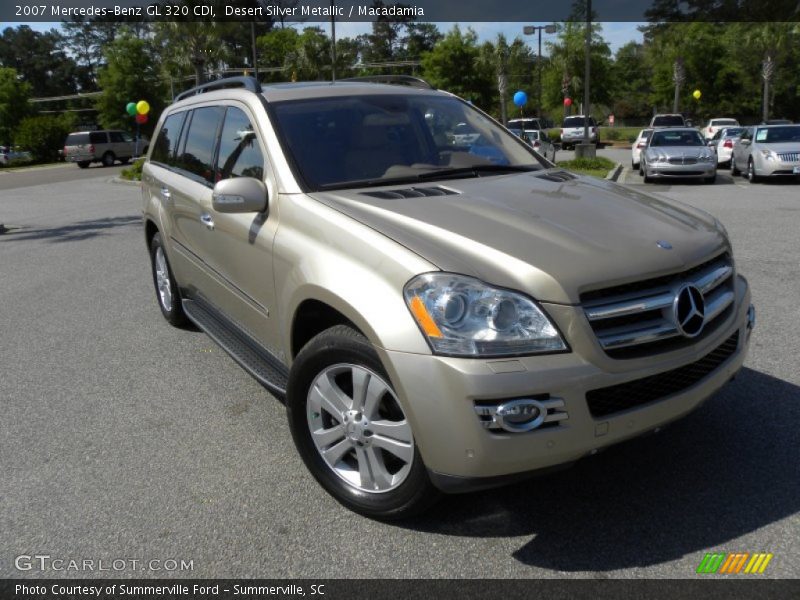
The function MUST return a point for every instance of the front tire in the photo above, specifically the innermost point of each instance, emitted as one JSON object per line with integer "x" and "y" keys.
{"x": 751, "y": 172}
{"x": 108, "y": 159}
{"x": 83, "y": 164}
{"x": 350, "y": 429}
{"x": 167, "y": 294}
{"x": 734, "y": 170}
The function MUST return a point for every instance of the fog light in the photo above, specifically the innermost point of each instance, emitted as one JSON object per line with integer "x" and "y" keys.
{"x": 521, "y": 415}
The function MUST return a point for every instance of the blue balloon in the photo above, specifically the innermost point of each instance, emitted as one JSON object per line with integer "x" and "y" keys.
{"x": 520, "y": 98}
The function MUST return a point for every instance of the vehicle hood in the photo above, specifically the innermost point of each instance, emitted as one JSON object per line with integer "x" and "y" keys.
{"x": 551, "y": 234}
{"x": 780, "y": 147}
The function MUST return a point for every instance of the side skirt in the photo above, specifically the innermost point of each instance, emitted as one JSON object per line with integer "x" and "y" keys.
{"x": 251, "y": 356}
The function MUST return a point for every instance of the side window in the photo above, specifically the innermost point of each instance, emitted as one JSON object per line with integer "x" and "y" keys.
{"x": 167, "y": 141}
{"x": 116, "y": 137}
{"x": 98, "y": 137}
{"x": 239, "y": 152}
{"x": 197, "y": 156}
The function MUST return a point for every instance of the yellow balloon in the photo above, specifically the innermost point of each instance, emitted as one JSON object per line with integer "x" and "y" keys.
{"x": 697, "y": 94}
{"x": 142, "y": 107}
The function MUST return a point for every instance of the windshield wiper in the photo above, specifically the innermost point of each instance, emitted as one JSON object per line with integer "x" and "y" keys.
{"x": 475, "y": 170}
{"x": 442, "y": 172}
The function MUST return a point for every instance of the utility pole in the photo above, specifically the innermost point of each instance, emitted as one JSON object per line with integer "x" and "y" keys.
{"x": 587, "y": 68}
{"x": 529, "y": 30}
{"x": 253, "y": 42}
{"x": 333, "y": 41}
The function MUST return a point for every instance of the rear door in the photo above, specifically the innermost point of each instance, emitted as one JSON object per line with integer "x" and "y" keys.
{"x": 189, "y": 186}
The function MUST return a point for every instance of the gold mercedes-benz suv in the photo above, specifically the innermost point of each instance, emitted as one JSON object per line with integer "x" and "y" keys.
{"x": 438, "y": 313}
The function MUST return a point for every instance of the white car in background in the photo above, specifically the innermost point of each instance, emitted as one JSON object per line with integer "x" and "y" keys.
{"x": 714, "y": 125}
{"x": 723, "y": 142}
{"x": 639, "y": 145}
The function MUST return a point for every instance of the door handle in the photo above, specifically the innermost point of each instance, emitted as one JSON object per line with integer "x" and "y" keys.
{"x": 207, "y": 221}
{"x": 165, "y": 192}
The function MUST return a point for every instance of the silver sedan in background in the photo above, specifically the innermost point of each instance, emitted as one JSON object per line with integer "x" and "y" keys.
{"x": 767, "y": 151}
{"x": 677, "y": 153}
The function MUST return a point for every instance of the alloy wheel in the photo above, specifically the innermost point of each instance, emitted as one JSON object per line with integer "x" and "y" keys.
{"x": 359, "y": 428}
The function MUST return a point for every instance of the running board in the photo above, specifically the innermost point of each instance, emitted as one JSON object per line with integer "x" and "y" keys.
{"x": 251, "y": 356}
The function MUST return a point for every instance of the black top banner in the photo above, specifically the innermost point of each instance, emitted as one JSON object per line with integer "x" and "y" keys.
{"x": 412, "y": 10}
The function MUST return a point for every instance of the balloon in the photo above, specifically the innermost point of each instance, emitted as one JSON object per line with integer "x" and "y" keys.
{"x": 520, "y": 98}
{"x": 130, "y": 108}
{"x": 142, "y": 107}
{"x": 696, "y": 94}
{"x": 141, "y": 119}
{"x": 567, "y": 101}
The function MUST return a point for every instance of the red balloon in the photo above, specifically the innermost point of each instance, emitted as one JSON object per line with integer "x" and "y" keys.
{"x": 141, "y": 119}
{"x": 567, "y": 101}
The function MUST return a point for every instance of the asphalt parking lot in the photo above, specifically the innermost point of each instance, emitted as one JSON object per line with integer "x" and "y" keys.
{"x": 124, "y": 438}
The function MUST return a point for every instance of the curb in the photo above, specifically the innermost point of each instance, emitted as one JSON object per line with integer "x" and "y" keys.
{"x": 614, "y": 173}
{"x": 121, "y": 181}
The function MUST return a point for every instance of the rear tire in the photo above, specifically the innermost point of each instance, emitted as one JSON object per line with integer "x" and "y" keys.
{"x": 167, "y": 293}
{"x": 358, "y": 446}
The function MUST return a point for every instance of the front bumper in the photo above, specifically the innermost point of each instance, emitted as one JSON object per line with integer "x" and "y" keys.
{"x": 776, "y": 168}
{"x": 439, "y": 396}
{"x": 699, "y": 170}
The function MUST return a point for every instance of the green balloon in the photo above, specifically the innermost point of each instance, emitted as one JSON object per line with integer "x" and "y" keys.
{"x": 130, "y": 108}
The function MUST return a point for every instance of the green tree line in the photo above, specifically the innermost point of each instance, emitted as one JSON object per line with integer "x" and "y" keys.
{"x": 728, "y": 62}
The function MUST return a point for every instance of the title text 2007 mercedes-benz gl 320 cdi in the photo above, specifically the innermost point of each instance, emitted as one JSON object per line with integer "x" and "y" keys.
{"x": 439, "y": 315}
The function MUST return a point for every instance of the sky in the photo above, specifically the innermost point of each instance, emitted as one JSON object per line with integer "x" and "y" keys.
{"x": 616, "y": 34}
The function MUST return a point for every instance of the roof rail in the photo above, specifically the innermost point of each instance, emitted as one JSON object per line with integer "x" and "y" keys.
{"x": 249, "y": 83}
{"x": 415, "y": 82}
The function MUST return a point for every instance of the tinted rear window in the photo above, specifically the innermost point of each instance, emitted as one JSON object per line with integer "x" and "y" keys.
{"x": 77, "y": 139}
{"x": 577, "y": 122}
{"x": 668, "y": 121}
{"x": 717, "y": 122}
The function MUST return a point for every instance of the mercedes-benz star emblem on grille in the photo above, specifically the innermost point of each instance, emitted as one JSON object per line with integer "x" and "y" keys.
{"x": 689, "y": 311}
{"x": 664, "y": 245}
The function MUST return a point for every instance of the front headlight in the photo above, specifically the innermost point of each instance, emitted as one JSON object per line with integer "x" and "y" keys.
{"x": 768, "y": 154}
{"x": 708, "y": 158}
{"x": 462, "y": 316}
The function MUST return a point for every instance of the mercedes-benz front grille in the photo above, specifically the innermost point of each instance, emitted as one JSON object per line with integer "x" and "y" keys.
{"x": 642, "y": 318}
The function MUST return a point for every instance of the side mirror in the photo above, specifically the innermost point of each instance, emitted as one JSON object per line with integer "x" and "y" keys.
{"x": 744, "y": 142}
{"x": 239, "y": 195}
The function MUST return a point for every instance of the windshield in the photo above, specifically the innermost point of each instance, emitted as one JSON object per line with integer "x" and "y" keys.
{"x": 774, "y": 135}
{"x": 676, "y": 138}
{"x": 341, "y": 142}
{"x": 718, "y": 122}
